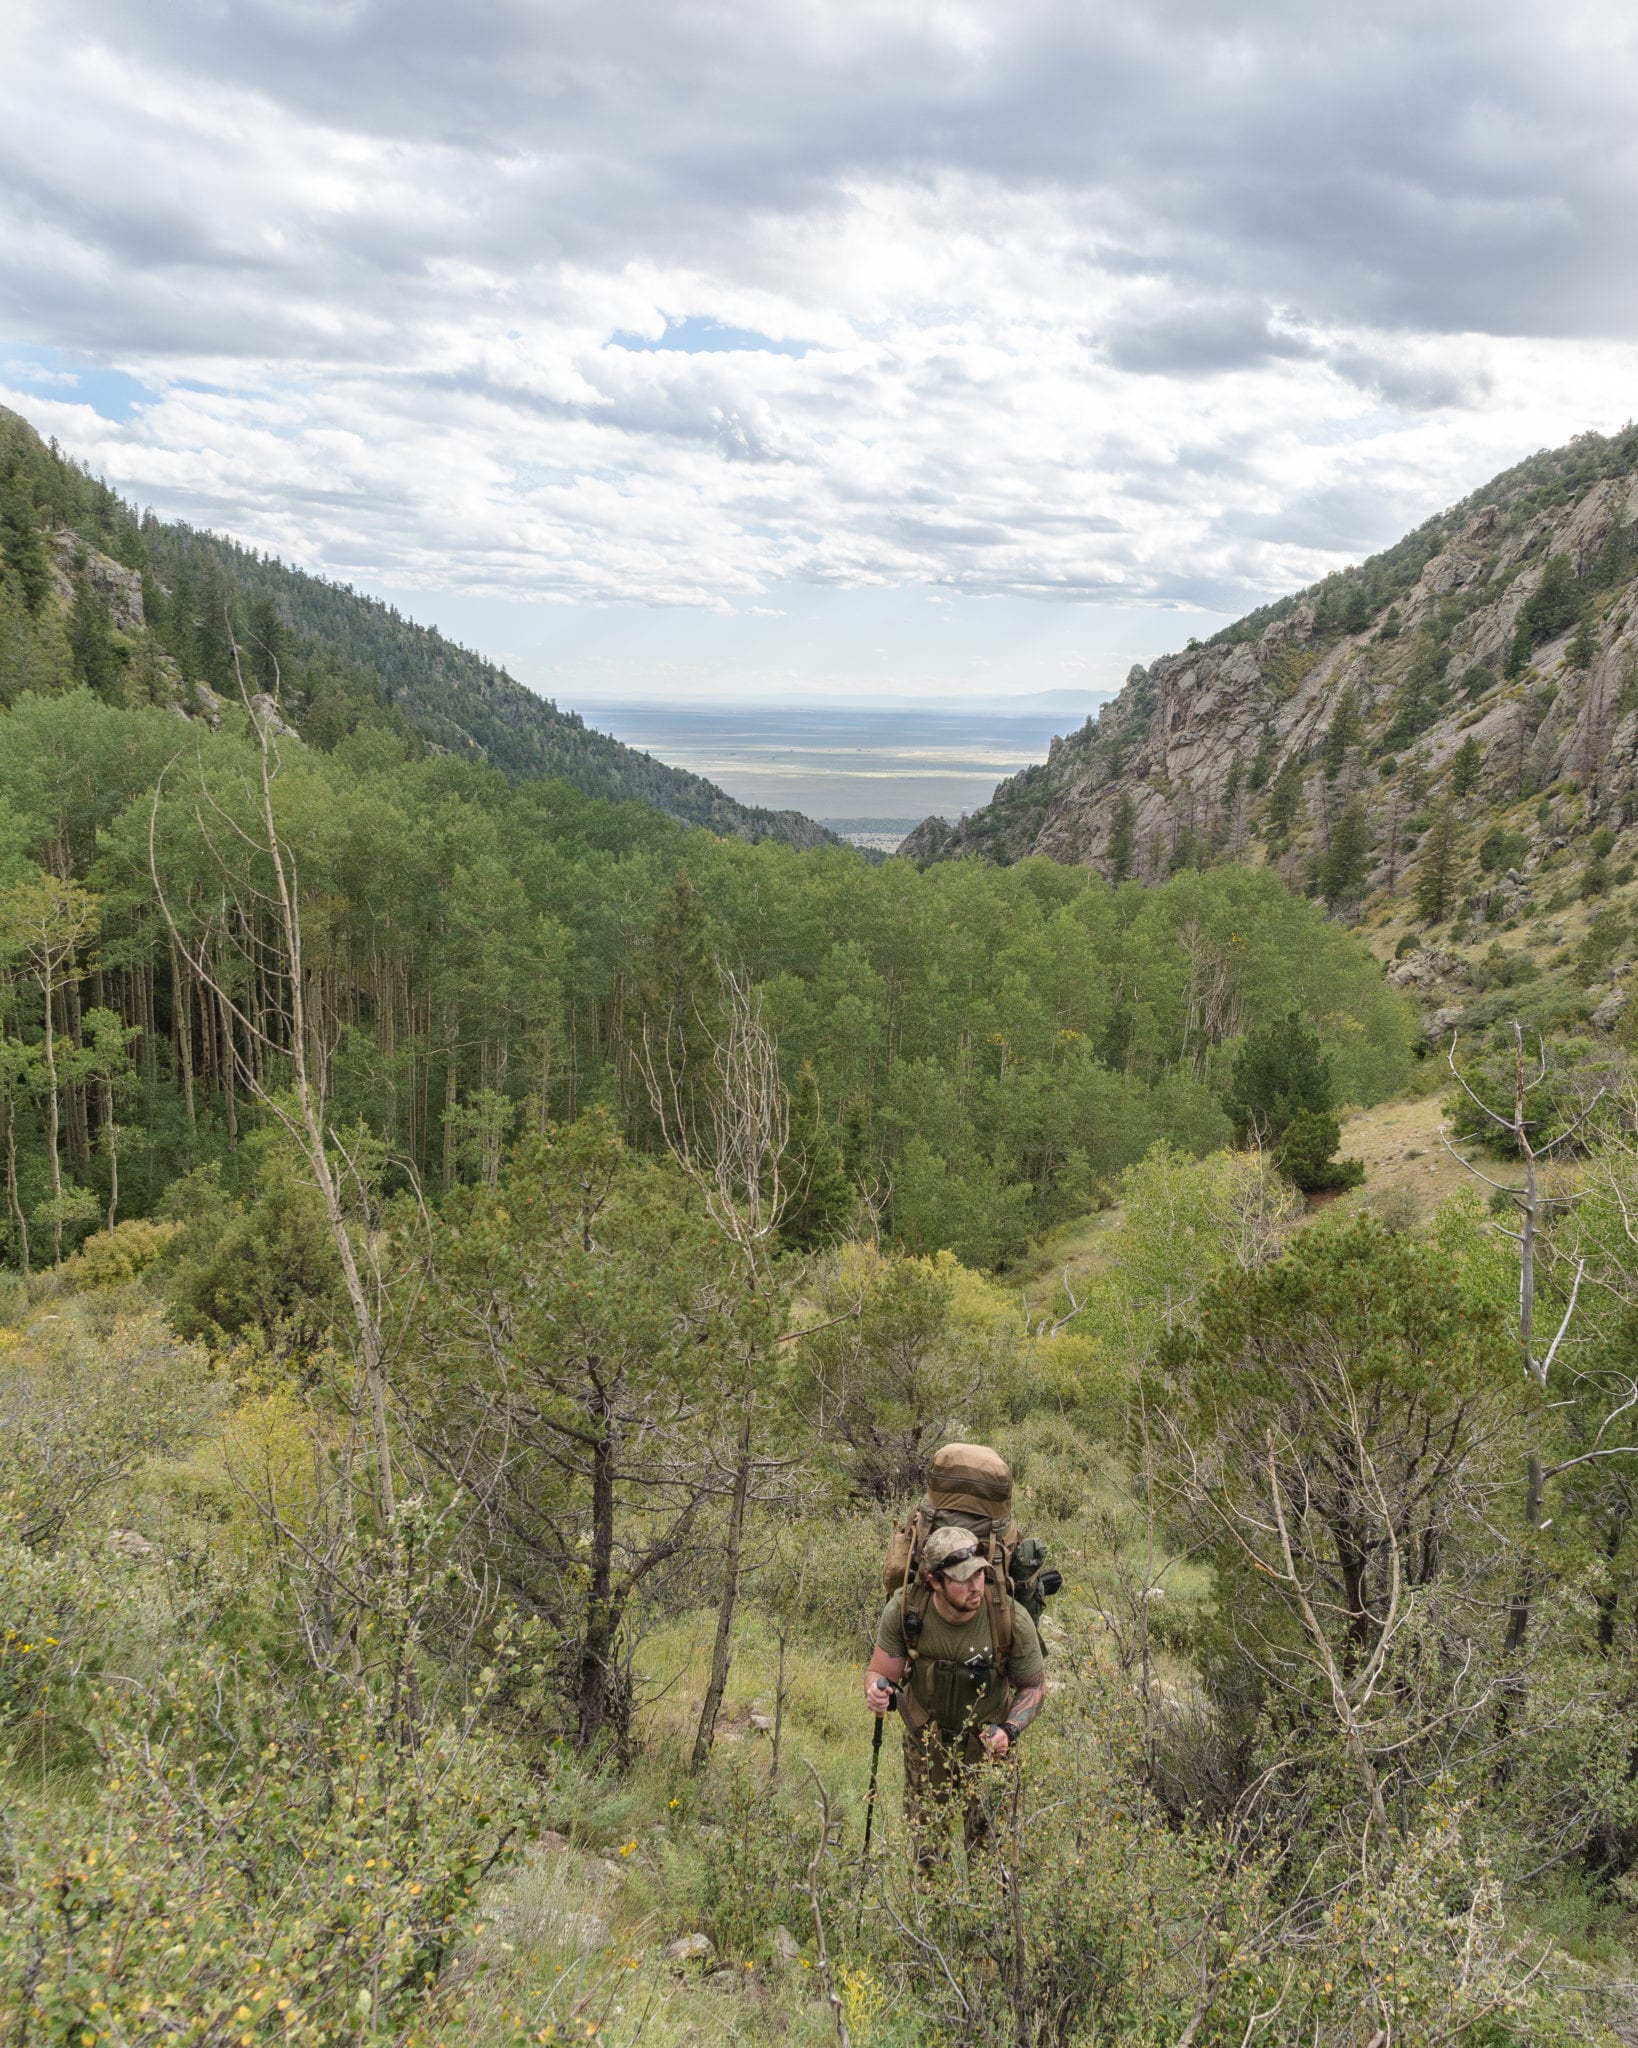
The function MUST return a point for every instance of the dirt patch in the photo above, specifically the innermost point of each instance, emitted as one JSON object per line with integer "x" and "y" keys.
{"x": 1402, "y": 1146}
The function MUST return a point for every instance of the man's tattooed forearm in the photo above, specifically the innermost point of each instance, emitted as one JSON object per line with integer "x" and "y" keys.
{"x": 1026, "y": 1704}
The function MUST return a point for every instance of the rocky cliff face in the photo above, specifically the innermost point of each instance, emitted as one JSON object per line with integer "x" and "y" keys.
{"x": 1489, "y": 658}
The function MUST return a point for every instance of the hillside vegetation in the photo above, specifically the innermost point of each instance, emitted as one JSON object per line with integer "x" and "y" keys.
{"x": 142, "y": 611}
{"x": 1441, "y": 745}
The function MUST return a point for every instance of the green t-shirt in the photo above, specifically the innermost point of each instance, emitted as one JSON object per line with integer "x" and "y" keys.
{"x": 946, "y": 1645}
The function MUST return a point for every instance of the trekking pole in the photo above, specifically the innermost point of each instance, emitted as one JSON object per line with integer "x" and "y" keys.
{"x": 870, "y": 1805}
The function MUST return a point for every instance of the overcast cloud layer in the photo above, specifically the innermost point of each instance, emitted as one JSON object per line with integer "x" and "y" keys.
{"x": 686, "y": 303}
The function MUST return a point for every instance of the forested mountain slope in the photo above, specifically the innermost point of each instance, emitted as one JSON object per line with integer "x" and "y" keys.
{"x": 135, "y": 608}
{"x": 1443, "y": 738}
{"x": 986, "y": 1048}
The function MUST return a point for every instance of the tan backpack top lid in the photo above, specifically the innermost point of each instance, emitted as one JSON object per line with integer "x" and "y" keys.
{"x": 969, "y": 1479}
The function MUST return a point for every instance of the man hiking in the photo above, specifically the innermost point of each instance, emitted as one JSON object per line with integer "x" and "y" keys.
{"x": 964, "y": 1664}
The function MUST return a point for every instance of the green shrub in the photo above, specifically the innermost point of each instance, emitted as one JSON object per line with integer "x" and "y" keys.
{"x": 114, "y": 1258}
{"x": 1306, "y": 1153}
{"x": 248, "y": 1866}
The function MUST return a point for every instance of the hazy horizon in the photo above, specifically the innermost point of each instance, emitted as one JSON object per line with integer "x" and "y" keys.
{"x": 858, "y": 768}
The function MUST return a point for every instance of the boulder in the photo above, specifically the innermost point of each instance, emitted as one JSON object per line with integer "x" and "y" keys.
{"x": 1610, "y": 1011}
{"x": 785, "y": 1945}
{"x": 690, "y": 1948}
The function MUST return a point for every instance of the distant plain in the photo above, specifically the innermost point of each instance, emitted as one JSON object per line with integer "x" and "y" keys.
{"x": 869, "y": 771}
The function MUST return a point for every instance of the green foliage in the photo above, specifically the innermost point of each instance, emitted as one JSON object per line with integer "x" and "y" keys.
{"x": 1583, "y": 648}
{"x": 582, "y": 1333}
{"x": 1600, "y": 943}
{"x": 1568, "y": 1087}
{"x": 1554, "y": 604}
{"x": 1284, "y": 800}
{"x": 248, "y": 1861}
{"x": 85, "y": 1401}
{"x": 1281, "y": 1072}
{"x": 1423, "y": 693}
{"x": 996, "y": 1042}
{"x": 1343, "y": 734}
{"x": 1122, "y": 839}
{"x": 1501, "y": 849}
{"x": 1466, "y": 768}
{"x": 826, "y": 1200}
{"x": 1347, "y": 859}
{"x": 1438, "y": 870}
{"x": 1306, "y": 1153}
{"x": 22, "y": 544}
{"x": 265, "y": 1264}
{"x": 898, "y": 1368}
{"x": 1520, "y": 648}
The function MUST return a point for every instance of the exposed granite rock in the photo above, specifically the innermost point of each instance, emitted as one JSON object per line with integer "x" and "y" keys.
{"x": 1178, "y": 751}
{"x": 927, "y": 841}
{"x": 118, "y": 587}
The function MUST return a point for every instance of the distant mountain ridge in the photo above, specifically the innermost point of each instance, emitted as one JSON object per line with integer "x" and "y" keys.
{"x": 163, "y": 591}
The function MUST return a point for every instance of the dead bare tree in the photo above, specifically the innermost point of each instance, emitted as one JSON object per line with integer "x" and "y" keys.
{"x": 729, "y": 1130}
{"x": 261, "y": 923}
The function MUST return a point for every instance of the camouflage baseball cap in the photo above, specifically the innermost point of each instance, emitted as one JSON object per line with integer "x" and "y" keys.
{"x": 954, "y": 1552}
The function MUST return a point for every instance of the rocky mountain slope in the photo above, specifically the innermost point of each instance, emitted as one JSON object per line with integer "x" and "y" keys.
{"x": 155, "y": 595}
{"x": 1442, "y": 739}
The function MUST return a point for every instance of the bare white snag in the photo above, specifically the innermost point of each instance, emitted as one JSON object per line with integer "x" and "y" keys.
{"x": 279, "y": 903}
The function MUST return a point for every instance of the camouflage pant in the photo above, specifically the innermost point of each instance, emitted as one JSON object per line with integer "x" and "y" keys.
{"x": 941, "y": 1774}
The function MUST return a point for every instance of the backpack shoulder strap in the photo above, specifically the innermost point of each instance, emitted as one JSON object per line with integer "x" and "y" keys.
{"x": 998, "y": 1599}
{"x": 916, "y": 1600}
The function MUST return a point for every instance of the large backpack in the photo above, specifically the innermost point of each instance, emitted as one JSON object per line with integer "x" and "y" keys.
{"x": 969, "y": 1486}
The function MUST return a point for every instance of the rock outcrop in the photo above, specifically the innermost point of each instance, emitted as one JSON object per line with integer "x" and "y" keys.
{"x": 1418, "y": 653}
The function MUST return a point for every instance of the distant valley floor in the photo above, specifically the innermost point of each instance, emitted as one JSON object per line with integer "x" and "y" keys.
{"x": 870, "y": 774}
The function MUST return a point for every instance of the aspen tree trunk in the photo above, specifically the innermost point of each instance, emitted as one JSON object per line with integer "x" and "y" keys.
{"x": 182, "y": 1029}
{"x": 12, "y": 1201}
{"x": 110, "y": 1137}
{"x": 74, "y": 1096}
{"x": 53, "y": 1117}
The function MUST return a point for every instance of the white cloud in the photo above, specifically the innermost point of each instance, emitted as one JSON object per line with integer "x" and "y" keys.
{"x": 1095, "y": 304}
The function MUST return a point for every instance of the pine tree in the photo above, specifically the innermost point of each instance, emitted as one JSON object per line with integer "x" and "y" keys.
{"x": 21, "y": 541}
{"x": 1348, "y": 858}
{"x": 1436, "y": 867}
{"x": 1464, "y": 770}
{"x": 1583, "y": 649}
{"x": 813, "y": 1160}
{"x": 1614, "y": 557}
{"x": 1345, "y": 731}
{"x": 1281, "y": 1072}
{"x": 90, "y": 643}
{"x": 1520, "y": 648}
{"x": 1423, "y": 692}
{"x": 1122, "y": 839}
{"x": 267, "y": 644}
{"x": 1285, "y": 800}
{"x": 1554, "y": 603}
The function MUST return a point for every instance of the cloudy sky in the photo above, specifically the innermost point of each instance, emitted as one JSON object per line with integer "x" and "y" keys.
{"x": 670, "y": 346}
